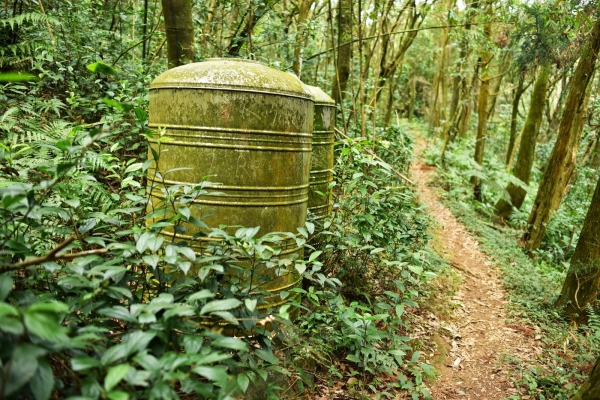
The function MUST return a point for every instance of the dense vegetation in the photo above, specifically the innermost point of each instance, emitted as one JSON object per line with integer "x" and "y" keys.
{"x": 95, "y": 303}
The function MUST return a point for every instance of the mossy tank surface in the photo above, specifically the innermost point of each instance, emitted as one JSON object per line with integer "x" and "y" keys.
{"x": 321, "y": 169}
{"x": 244, "y": 126}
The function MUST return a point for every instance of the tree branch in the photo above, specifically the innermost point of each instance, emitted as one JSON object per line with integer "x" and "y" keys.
{"x": 51, "y": 256}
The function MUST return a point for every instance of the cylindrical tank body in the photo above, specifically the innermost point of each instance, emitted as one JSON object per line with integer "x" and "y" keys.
{"x": 321, "y": 167}
{"x": 245, "y": 126}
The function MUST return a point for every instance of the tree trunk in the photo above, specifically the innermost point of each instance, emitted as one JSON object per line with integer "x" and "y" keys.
{"x": 413, "y": 94}
{"x": 577, "y": 129}
{"x": 513, "y": 119}
{"x": 595, "y": 159}
{"x": 591, "y": 387}
{"x": 527, "y": 148}
{"x": 390, "y": 104}
{"x": 583, "y": 278}
{"x": 482, "y": 108}
{"x": 244, "y": 35}
{"x": 304, "y": 9}
{"x": 344, "y": 53}
{"x": 461, "y": 121}
{"x": 562, "y": 158}
{"x": 436, "y": 103}
{"x": 179, "y": 28}
{"x": 495, "y": 89}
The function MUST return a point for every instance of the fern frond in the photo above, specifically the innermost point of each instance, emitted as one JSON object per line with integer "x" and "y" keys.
{"x": 33, "y": 17}
{"x": 95, "y": 161}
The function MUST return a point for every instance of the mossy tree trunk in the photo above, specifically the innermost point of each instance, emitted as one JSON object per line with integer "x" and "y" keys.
{"x": 527, "y": 147}
{"x": 591, "y": 387}
{"x": 482, "y": 108}
{"x": 562, "y": 159}
{"x": 583, "y": 278}
{"x": 179, "y": 28}
{"x": 344, "y": 53}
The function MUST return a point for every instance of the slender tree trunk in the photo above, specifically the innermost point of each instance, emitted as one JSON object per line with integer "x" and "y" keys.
{"x": 390, "y": 104}
{"x": 461, "y": 121}
{"x": 482, "y": 108}
{"x": 435, "y": 102}
{"x": 497, "y": 83}
{"x": 577, "y": 129}
{"x": 527, "y": 148}
{"x": 344, "y": 53}
{"x": 562, "y": 158}
{"x": 513, "y": 118}
{"x": 582, "y": 283}
{"x": 591, "y": 387}
{"x": 303, "y": 12}
{"x": 467, "y": 110}
{"x": 180, "y": 31}
{"x": 244, "y": 35}
{"x": 145, "y": 30}
{"x": 595, "y": 159}
{"x": 413, "y": 94}
{"x": 208, "y": 24}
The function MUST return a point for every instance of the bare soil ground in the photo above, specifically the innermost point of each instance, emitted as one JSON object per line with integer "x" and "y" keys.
{"x": 476, "y": 340}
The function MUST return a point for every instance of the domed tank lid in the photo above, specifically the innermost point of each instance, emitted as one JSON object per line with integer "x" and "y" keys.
{"x": 231, "y": 74}
{"x": 319, "y": 96}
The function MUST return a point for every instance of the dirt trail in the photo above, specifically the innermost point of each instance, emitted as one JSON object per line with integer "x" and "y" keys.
{"x": 477, "y": 336}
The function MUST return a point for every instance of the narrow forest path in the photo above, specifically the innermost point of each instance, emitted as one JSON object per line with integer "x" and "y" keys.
{"x": 477, "y": 336}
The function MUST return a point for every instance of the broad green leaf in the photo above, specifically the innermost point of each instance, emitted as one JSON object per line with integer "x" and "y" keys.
{"x": 301, "y": 268}
{"x": 117, "y": 312}
{"x": 353, "y": 358}
{"x": 185, "y": 212}
{"x": 220, "y": 305}
{"x": 99, "y": 66}
{"x": 141, "y": 243}
{"x": 12, "y": 325}
{"x": 217, "y": 373}
{"x": 155, "y": 242}
{"x": 151, "y": 260}
{"x": 243, "y": 382}
{"x": 192, "y": 343}
{"x": 231, "y": 343}
{"x": 140, "y": 114}
{"x": 188, "y": 252}
{"x": 7, "y": 309}
{"x": 41, "y": 320}
{"x": 115, "y": 375}
{"x": 134, "y": 167}
{"x": 118, "y": 395}
{"x": 82, "y": 363}
{"x": 267, "y": 355}
{"x": 227, "y": 316}
{"x": 314, "y": 255}
{"x": 42, "y": 383}
{"x": 250, "y": 304}
{"x": 16, "y": 77}
{"x": 416, "y": 356}
{"x": 23, "y": 366}
{"x": 203, "y": 294}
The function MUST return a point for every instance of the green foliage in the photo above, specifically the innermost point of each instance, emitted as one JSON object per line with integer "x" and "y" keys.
{"x": 373, "y": 245}
{"x": 542, "y": 35}
{"x": 114, "y": 310}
